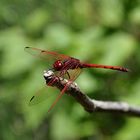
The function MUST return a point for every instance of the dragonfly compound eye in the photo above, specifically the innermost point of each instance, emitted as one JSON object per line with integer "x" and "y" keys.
{"x": 58, "y": 65}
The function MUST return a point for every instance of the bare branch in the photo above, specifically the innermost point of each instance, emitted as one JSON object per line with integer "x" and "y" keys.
{"x": 92, "y": 105}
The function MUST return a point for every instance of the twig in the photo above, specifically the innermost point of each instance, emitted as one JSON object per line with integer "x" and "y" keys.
{"x": 91, "y": 105}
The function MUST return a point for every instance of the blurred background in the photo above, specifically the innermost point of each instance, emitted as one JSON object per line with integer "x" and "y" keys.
{"x": 94, "y": 31}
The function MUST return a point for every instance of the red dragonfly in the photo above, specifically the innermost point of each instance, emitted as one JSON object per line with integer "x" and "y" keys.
{"x": 66, "y": 67}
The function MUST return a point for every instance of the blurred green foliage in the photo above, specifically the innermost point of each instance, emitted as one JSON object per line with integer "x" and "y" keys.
{"x": 96, "y": 31}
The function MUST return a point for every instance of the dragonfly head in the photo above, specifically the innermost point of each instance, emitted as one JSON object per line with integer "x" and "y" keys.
{"x": 58, "y": 65}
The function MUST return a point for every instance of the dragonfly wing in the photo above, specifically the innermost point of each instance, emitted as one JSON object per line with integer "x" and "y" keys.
{"x": 43, "y": 95}
{"x": 73, "y": 75}
{"x": 50, "y": 56}
{"x": 52, "y": 96}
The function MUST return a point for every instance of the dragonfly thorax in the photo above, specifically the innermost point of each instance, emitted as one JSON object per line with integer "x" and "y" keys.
{"x": 58, "y": 65}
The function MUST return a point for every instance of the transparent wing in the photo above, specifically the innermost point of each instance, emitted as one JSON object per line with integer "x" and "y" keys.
{"x": 73, "y": 76}
{"x": 50, "y": 95}
{"x": 44, "y": 94}
{"x": 44, "y": 54}
{"x": 50, "y": 56}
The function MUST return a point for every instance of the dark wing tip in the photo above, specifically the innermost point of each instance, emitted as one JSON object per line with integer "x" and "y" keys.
{"x": 32, "y": 98}
{"x": 26, "y": 47}
{"x": 43, "y": 51}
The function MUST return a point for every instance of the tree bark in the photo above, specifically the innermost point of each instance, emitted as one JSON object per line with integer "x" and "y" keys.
{"x": 92, "y": 105}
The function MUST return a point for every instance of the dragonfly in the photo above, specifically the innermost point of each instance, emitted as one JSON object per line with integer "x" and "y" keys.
{"x": 64, "y": 66}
